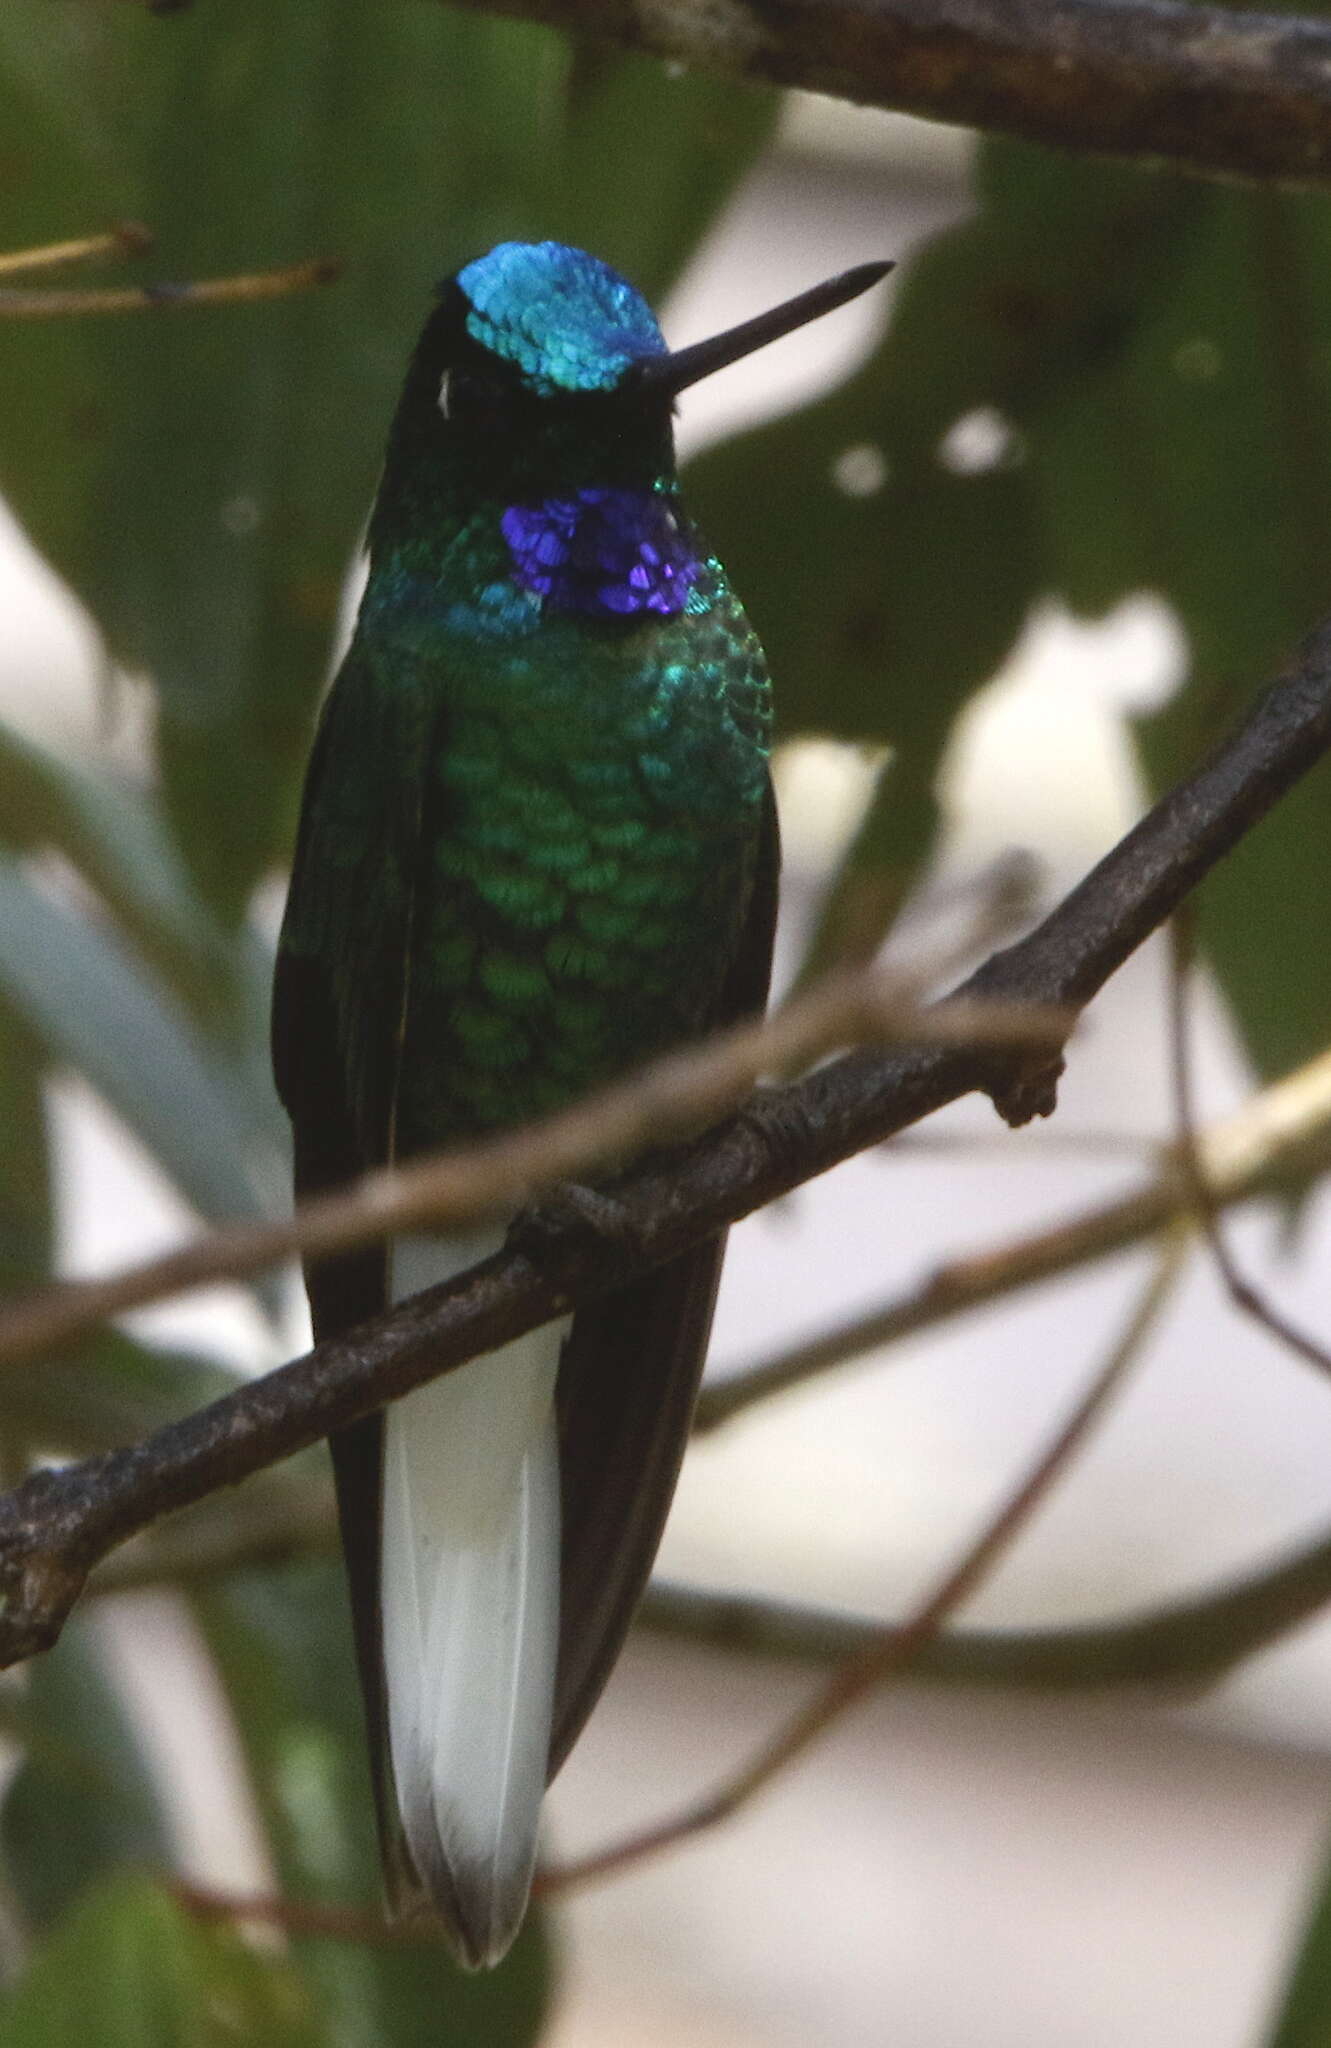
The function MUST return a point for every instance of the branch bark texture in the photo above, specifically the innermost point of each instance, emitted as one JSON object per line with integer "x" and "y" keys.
{"x": 1215, "y": 89}
{"x": 56, "y": 1525}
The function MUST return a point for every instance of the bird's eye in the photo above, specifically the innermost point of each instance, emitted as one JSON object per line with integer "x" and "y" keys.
{"x": 470, "y": 400}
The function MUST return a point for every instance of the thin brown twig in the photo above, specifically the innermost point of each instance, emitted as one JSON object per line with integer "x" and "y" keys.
{"x": 1189, "y": 1642}
{"x": 126, "y": 238}
{"x": 363, "y": 1926}
{"x": 1179, "y": 1645}
{"x": 891, "y": 1655}
{"x": 1201, "y": 1198}
{"x": 676, "y": 1095}
{"x": 1280, "y": 1137}
{"x": 19, "y": 304}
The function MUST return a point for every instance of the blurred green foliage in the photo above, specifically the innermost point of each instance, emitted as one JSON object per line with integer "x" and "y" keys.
{"x": 1152, "y": 356}
{"x": 128, "y": 1966}
{"x": 83, "y": 1803}
{"x": 233, "y": 455}
{"x": 200, "y": 480}
{"x": 1304, "y": 2016}
{"x": 282, "y": 1645}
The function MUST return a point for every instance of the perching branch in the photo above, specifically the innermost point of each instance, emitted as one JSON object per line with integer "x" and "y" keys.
{"x": 1279, "y": 1140}
{"x": 1215, "y": 89}
{"x": 670, "y": 1099}
{"x": 56, "y": 1525}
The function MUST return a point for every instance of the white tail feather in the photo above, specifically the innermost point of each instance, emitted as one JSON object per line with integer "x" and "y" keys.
{"x": 470, "y": 1598}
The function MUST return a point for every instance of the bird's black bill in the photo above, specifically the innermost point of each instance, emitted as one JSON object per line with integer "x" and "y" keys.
{"x": 675, "y": 372}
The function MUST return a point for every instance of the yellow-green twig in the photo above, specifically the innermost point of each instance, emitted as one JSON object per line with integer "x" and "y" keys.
{"x": 126, "y": 238}
{"x": 20, "y": 304}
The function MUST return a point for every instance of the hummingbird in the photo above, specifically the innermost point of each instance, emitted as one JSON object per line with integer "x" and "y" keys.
{"x": 537, "y": 846}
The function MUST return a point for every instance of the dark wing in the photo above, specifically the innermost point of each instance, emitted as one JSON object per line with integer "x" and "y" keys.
{"x": 630, "y": 1371}
{"x": 628, "y": 1381}
{"x": 340, "y": 976}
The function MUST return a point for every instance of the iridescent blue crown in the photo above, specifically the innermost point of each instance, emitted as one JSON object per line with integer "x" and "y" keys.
{"x": 567, "y": 320}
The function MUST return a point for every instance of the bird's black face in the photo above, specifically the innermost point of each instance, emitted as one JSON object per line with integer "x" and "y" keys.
{"x": 542, "y": 372}
{"x": 479, "y": 416}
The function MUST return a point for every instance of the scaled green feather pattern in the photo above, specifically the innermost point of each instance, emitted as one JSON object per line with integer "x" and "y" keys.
{"x": 589, "y": 818}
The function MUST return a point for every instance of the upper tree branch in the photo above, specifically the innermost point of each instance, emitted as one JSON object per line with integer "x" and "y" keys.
{"x": 56, "y": 1525}
{"x": 1212, "y": 88}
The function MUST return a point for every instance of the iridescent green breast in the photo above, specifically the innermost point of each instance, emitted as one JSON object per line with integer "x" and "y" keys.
{"x": 591, "y": 818}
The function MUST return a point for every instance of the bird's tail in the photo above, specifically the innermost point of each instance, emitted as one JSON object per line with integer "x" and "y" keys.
{"x": 470, "y": 1603}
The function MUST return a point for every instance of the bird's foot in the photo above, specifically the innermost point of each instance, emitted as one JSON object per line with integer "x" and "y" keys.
{"x": 571, "y": 1209}
{"x": 779, "y": 1121}
{"x": 1029, "y": 1090}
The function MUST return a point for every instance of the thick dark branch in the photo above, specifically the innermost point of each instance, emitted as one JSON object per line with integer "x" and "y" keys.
{"x": 57, "y": 1524}
{"x": 1215, "y": 89}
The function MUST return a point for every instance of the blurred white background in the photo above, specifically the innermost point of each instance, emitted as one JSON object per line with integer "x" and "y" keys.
{"x": 948, "y": 1867}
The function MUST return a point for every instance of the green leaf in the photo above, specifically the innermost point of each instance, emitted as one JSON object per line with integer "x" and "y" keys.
{"x": 1190, "y": 454}
{"x": 103, "y": 1391}
{"x": 1196, "y": 461}
{"x": 1231, "y": 386}
{"x": 282, "y": 1643}
{"x": 1304, "y": 2018}
{"x": 884, "y": 605}
{"x": 83, "y": 996}
{"x": 25, "y": 1190}
{"x": 1147, "y": 354}
{"x": 83, "y": 1802}
{"x": 129, "y": 1968}
{"x": 887, "y": 580}
{"x": 200, "y": 476}
{"x": 116, "y": 837}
